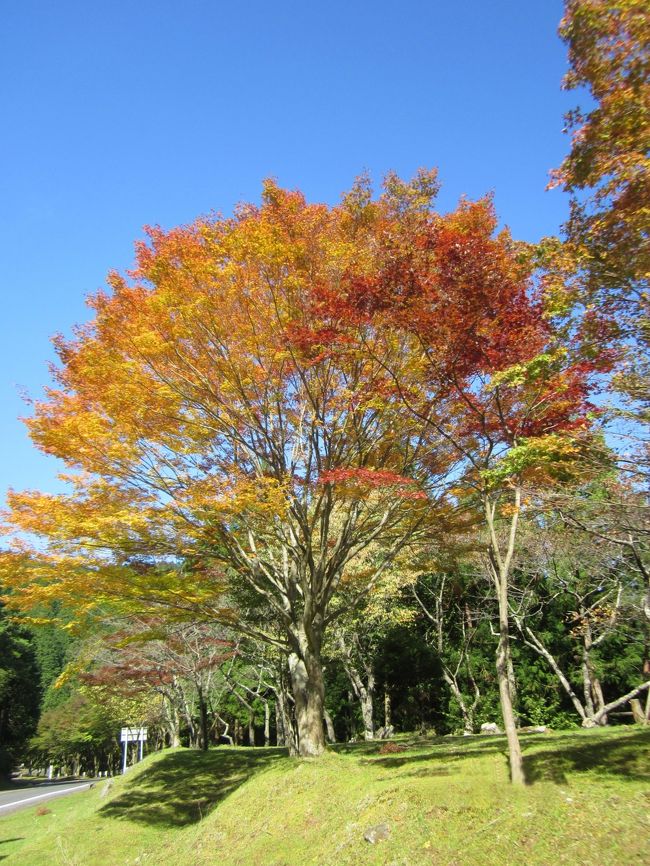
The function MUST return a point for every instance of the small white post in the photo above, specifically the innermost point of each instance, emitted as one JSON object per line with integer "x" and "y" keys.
{"x": 126, "y": 746}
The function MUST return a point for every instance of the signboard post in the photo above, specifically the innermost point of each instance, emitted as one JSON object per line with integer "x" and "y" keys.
{"x": 132, "y": 735}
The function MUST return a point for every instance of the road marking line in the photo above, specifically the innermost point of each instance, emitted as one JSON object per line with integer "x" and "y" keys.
{"x": 49, "y": 794}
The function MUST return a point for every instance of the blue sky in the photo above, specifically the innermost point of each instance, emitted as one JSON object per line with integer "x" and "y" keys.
{"x": 121, "y": 114}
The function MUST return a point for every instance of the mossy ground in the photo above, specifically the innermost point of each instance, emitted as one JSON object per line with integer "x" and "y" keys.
{"x": 446, "y": 801}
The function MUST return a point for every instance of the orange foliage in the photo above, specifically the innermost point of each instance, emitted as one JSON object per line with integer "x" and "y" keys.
{"x": 249, "y": 371}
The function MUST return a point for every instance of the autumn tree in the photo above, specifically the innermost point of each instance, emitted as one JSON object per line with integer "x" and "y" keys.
{"x": 491, "y": 376}
{"x": 219, "y": 434}
{"x": 177, "y": 661}
{"x": 607, "y": 173}
{"x": 276, "y": 406}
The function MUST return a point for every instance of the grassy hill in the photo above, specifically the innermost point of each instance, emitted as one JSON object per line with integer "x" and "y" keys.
{"x": 443, "y": 801}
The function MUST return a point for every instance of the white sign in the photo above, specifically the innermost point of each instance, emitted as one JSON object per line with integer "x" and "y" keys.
{"x": 133, "y": 735}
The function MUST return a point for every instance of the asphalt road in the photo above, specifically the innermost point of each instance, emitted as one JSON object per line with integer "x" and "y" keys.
{"x": 34, "y": 795}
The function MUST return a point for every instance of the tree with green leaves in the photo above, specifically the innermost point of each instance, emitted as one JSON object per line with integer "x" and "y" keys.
{"x": 20, "y": 690}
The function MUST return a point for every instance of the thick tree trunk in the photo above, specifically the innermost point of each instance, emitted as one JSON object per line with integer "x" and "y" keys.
{"x": 638, "y": 713}
{"x": 172, "y": 722}
{"x": 309, "y": 694}
{"x": 366, "y": 700}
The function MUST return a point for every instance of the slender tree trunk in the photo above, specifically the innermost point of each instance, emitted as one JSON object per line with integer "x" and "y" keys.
{"x": 267, "y": 724}
{"x": 467, "y": 714}
{"x": 205, "y": 727}
{"x": 387, "y": 710}
{"x": 512, "y": 684}
{"x": 224, "y": 734}
{"x": 349, "y": 717}
{"x": 594, "y": 698}
{"x": 329, "y": 727}
{"x": 510, "y": 726}
{"x": 187, "y": 712}
{"x": 251, "y": 730}
{"x": 500, "y": 568}
{"x": 286, "y": 735}
{"x": 599, "y": 700}
{"x": 531, "y": 640}
{"x": 367, "y": 714}
{"x": 364, "y": 692}
{"x": 586, "y": 683}
{"x": 281, "y": 738}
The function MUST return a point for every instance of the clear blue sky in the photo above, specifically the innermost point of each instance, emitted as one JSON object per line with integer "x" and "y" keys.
{"x": 119, "y": 114}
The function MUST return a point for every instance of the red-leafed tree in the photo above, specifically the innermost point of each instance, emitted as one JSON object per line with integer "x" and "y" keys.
{"x": 177, "y": 661}
{"x": 276, "y": 407}
{"x": 490, "y": 375}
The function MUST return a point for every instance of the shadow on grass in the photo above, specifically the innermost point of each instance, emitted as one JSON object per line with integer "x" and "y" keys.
{"x": 545, "y": 757}
{"x": 5, "y": 841}
{"x": 627, "y": 758}
{"x": 422, "y": 751}
{"x": 185, "y": 786}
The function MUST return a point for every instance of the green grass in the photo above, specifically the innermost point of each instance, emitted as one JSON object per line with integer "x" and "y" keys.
{"x": 447, "y": 802}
